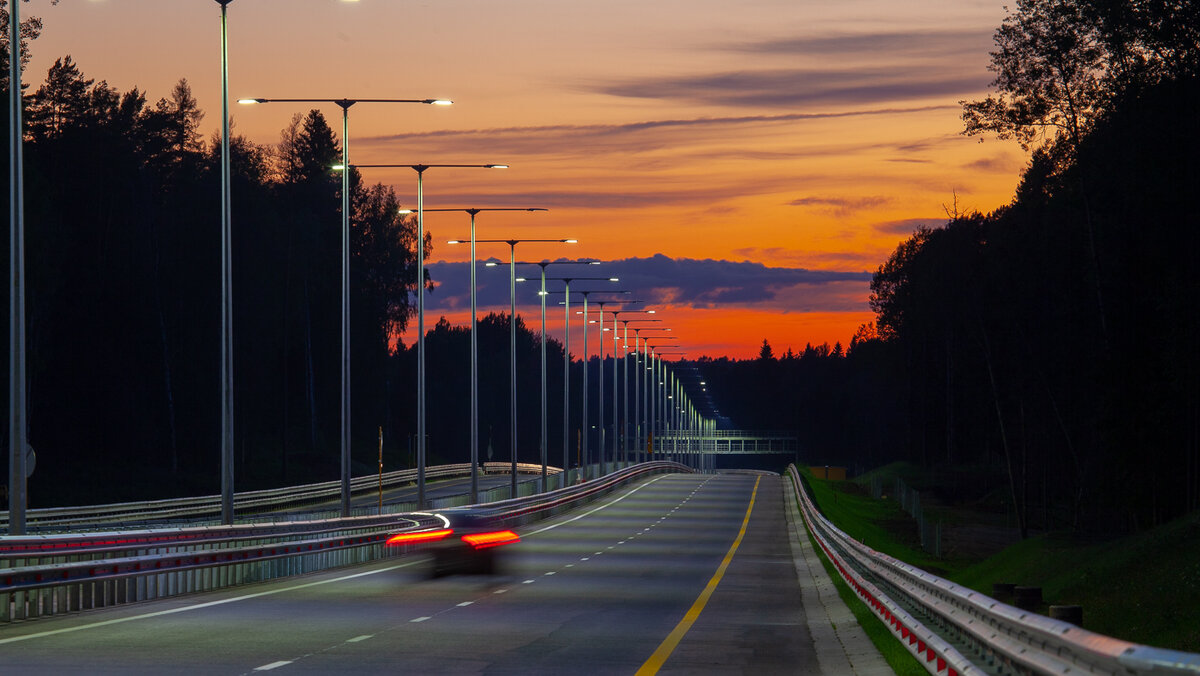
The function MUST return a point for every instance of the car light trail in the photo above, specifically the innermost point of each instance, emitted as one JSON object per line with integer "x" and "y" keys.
{"x": 494, "y": 539}
{"x": 424, "y": 536}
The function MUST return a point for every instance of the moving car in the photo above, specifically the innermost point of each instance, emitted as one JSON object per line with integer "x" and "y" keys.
{"x": 468, "y": 542}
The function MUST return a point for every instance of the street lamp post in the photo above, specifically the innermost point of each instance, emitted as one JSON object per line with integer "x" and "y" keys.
{"x": 226, "y": 288}
{"x": 583, "y": 460}
{"x": 542, "y": 293}
{"x": 421, "y": 169}
{"x": 17, "y": 431}
{"x": 512, "y": 338}
{"x": 602, "y": 464}
{"x": 650, "y": 389}
{"x": 636, "y": 384}
{"x": 671, "y": 408}
{"x": 584, "y": 423}
{"x": 474, "y": 497}
{"x": 567, "y": 366}
{"x": 624, "y": 436}
{"x": 600, "y": 437}
{"x": 345, "y": 104}
{"x": 656, "y": 394}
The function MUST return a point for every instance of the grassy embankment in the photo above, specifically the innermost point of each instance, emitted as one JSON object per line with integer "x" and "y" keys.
{"x": 1143, "y": 588}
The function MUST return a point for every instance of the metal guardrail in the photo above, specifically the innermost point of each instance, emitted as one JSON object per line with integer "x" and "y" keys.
{"x": 1001, "y": 638}
{"x": 246, "y": 503}
{"x": 58, "y": 573}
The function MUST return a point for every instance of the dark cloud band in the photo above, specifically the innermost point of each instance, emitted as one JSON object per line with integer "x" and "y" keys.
{"x": 659, "y": 279}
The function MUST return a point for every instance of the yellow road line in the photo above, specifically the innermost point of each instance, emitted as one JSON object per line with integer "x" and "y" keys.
{"x": 669, "y": 644}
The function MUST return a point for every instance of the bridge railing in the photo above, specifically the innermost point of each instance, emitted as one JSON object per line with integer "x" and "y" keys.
{"x": 726, "y": 442}
{"x": 43, "y": 575}
{"x": 997, "y": 634}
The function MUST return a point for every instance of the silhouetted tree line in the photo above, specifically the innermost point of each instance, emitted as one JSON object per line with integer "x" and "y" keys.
{"x": 1056, "y": 339}
{"x": 1058, "y": 335}
{"x": 825, "y": 395}
{"x": 122, "y": 219}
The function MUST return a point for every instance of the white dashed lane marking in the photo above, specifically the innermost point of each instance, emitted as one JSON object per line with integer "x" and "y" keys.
{"x": 357, "y": 639}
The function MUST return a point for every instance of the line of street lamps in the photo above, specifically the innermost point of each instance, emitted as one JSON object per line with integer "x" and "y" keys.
{"x": 20, "y": 453}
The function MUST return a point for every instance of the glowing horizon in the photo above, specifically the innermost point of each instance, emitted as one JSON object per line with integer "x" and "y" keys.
{"x": 795, "y": 140}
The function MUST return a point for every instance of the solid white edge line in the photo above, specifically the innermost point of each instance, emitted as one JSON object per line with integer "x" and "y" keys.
{"x": 593, "y": 511}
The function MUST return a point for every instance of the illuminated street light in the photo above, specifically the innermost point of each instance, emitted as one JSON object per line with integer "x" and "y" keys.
{"x": 227, "y": 484}
{"x": 512, "y": 337}
{"x": 345, "y": 104}
{"x": 542, "y": 293}
{"x": 671, "y": 410}
{"x": 602, "y": 465}
{"x": 421, "y": 169}
{"x": 474, "y": 498}
{"x": 655, "y": 401}
{"x": 567, "y": 368}
{"x": 18, "y": 433}
{"x": 586, "y": 360}
{"x": 624, "y": 340}
{"x": 636, "y": 381}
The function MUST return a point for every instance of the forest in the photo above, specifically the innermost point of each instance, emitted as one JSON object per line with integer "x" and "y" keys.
{"x": 1055, "y": 342}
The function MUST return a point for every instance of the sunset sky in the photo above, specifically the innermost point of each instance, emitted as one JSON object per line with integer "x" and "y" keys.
{"x": 744, "y": 166}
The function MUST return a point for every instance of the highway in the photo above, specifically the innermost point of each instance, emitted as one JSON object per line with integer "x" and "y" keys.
{"x": 676, "y": 574}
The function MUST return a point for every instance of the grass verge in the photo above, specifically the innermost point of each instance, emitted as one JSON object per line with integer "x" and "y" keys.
{"x": 880, "y": 524}
{"x": 1143, "y": 588}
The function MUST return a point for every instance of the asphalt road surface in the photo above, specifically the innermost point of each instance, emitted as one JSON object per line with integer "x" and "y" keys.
{"x": 678, "y": 574}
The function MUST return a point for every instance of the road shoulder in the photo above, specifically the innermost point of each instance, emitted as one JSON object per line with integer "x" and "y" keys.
{"x": 841, "y": 645}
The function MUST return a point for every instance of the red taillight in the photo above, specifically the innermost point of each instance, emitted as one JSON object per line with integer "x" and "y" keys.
{"x": 493, "y": 539}
{"x": 423, "y": 536}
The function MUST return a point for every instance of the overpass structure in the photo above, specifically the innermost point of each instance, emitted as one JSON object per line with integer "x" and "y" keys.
{"x": 730, "y": 442}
